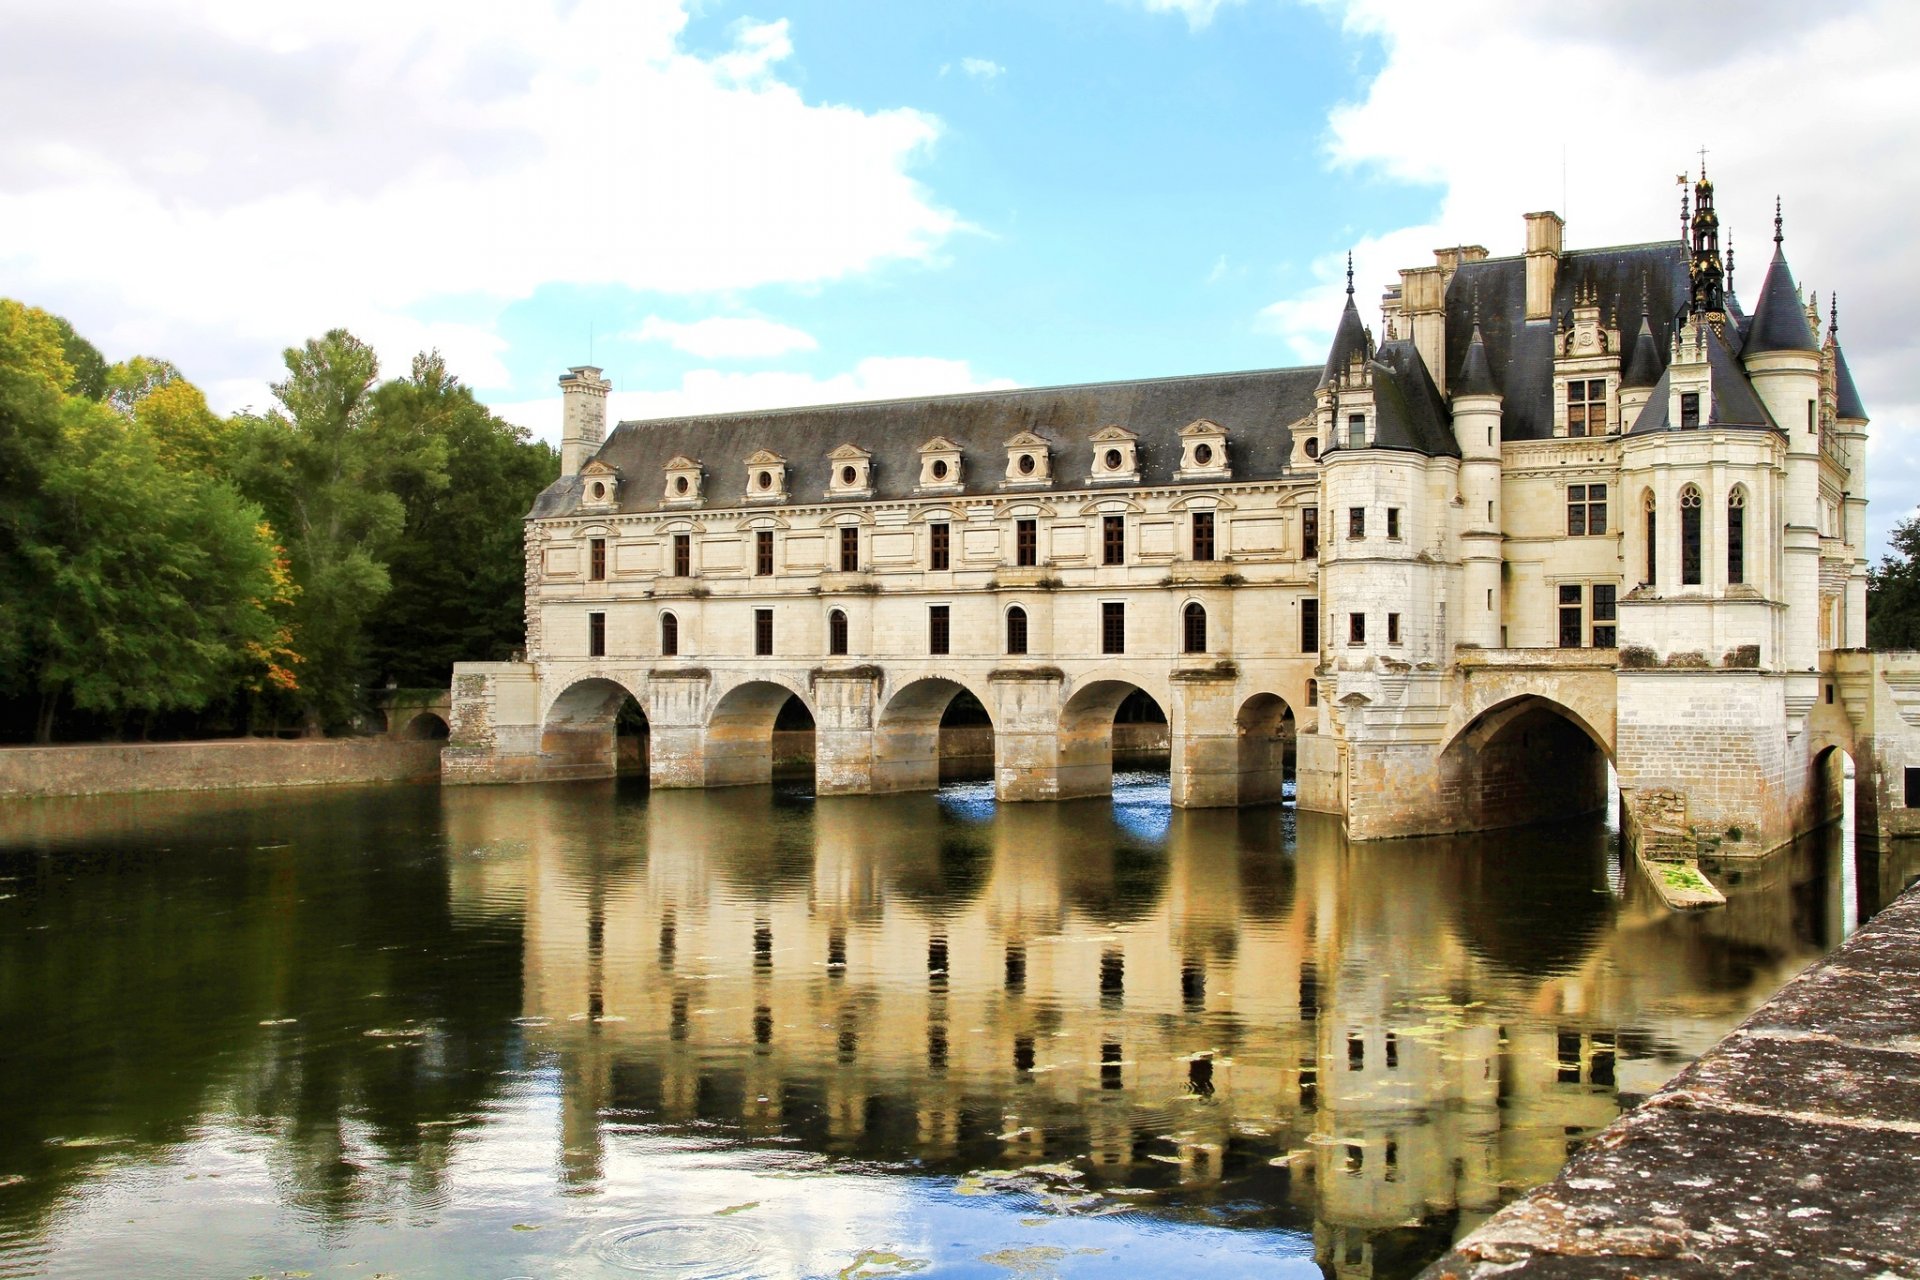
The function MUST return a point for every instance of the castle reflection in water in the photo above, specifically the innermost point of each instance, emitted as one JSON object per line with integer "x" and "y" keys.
{"x": 1222, "y": 1013}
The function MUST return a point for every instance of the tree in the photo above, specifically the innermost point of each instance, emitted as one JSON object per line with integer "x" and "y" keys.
{"x": 33, "y": 373}
{"x": 457, "y": 566}
{"x": 187, "y": 435}
{"x": 1893, "y": 591}
{"x": 325, "y": 478}
{"x": 87, "y": 368}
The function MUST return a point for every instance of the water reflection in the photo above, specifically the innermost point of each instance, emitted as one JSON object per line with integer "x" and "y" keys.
{"x": 399, "y": 1013}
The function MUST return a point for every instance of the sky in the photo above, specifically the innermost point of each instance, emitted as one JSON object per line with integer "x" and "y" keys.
{"x": 745, "y": 203}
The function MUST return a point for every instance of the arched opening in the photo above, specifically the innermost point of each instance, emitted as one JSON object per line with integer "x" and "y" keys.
{"x": 1689, "y": 537}
{"x": 837, "y": 632}
{"x": 669, "y": 635}
{"x": 1267, "y": 734}
{"x": 1109, "y": 724}
{"x": 1527, "y": 760}
{"x": 584, "y": 731}
{"x": 1016, "y": 630}
{"x": 1193, "y": 628}
{"x": 931, "y": 731}
{"x": 425, "y": 727}
{"x": 1737, "y": 536}
{"x": 1831, "y": 793}
{"x": 758, "y": 731}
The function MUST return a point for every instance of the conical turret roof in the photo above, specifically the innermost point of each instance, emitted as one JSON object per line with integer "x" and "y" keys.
{"x": 1350, "y": 338}
{"x": 1643, "y": 364}
{"x": 1476, "y": 371}
{"x": 1849, "y": 405}
{"x": 1779, "y": 320}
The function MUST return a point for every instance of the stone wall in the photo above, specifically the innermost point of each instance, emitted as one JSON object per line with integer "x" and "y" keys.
{"x": 105, "y": 768}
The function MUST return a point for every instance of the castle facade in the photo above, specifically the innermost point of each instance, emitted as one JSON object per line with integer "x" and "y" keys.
{"x": 1568, "y": 508}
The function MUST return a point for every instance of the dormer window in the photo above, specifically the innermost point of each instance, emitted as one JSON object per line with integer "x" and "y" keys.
{"x": 1115, "y": 459}
{"x": 1029, "y": 461}
{"x": 766, "y": 477}
{"x": 851, "y": 474}
{"x": 683, "y": 482}
{"x": 1586, "y": 406}
{"x": 939, "y": 466}
{"x": 1689, "y": 410}
{"x": 1356, "y": 431}
{"x": 1203, "y": 451}
{"x": 600, "y": 486}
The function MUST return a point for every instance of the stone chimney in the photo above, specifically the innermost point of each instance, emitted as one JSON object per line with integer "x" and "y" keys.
{"x": 583, "y": 397}
{"x": 1544, "y": 233}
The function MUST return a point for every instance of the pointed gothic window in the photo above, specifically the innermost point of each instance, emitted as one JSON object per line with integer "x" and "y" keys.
{"x": 1653, "y": 541}
{"x": 1689, "y": 537}
{"x": 1737, "y": 536}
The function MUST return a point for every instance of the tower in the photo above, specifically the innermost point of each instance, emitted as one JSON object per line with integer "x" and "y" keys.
{"x": 583, "y": 422}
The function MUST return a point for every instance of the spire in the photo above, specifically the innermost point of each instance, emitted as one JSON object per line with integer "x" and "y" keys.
{"x": 1349, "y": 338}
{"x": 1779, "y": 323}
{"x": 1704, "y": 272}
{"x": 1847, "y": 405}
{"x": 1643, "y": 365}
{"x": 1476, "y": 370}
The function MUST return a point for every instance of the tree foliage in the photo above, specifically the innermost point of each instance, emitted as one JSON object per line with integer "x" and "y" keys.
{"x": 1893, "y": 591}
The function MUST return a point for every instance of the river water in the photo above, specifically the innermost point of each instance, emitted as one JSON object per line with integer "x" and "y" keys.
{"x": 588, "y": 1031}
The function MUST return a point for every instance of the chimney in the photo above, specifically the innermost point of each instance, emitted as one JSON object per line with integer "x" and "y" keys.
{"x": 1544, "y": 232}
{"x": 1423, "y": 302}
{"x": 583, "y": 421}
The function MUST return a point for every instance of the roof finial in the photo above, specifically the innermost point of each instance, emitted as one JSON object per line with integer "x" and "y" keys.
{"x": 1476, "y": 305}
{"x": 1729, "y": 261}
{"x": 1349, "y": 273}
{"x": 1686, "y": 218}
{"x": 1703, "y": 164}
{"x": 1833, "y": 315}
{"x": 1777, "y": 237}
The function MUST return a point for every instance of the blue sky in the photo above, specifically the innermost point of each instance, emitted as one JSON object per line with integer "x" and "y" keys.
{"x": 787, "y": 201}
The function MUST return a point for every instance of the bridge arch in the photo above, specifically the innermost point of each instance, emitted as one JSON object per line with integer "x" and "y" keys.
{"x": 580, "y": 732}
{"x": 1529, "y": 758}
{"x": 1086, "y": 730}
{"x": 907, "y": 737}
{"x": 1266, "y": 731}
{"x": 740, "y": 730}
{"x": 425, "y": 725}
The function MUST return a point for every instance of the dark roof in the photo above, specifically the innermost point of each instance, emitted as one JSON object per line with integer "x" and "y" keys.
{"x": 1520, "y": 353}
{"x": 1734, "y": 401}
{"x": 1254, "y": 407}
{"x": 1643, "y": 366}
{"x": 1849, "y": 396}
{"x": 1780, "y": 321}
{"x": 1411, "y": 414}
{"x": 1476, "y": 375}
{"x": 1350, "y": 337}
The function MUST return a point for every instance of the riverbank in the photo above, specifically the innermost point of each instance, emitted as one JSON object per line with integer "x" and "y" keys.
{"x": 111, "y": 768}
{"x": 1789, "y": 1149}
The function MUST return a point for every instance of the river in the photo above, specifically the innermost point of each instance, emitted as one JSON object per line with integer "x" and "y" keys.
{"x": 586, "y": 1030}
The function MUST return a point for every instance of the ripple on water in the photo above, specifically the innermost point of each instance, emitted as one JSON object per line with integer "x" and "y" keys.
{"x": 688, "y": 1249}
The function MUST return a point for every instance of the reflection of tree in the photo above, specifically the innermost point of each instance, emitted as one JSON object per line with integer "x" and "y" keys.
{"x": 138, "y": 1009}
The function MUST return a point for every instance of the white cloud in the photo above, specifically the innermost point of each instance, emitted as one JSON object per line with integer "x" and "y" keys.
{"x": 982, "y": 68}
{"x": 1198, "y": 13}
{"x": 1484, "y": 97}
{"x": 726, "y": 337}
{"x": 213, "y": 179}
{"x": 723, "y": 391}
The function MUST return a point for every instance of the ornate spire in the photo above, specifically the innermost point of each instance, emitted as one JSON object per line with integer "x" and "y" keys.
{"x": 1777, "y": 237}
{"x": 1729, "y": 262}
{"x": 1349, "y": 273}
{"x": 1704, "y": 271}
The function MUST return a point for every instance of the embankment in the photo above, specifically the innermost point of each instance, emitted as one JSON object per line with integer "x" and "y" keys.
{"x": 111, "y": 768}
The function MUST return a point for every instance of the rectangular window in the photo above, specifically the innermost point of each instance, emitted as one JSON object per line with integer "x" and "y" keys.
{"x": 1203, "y": 535}
{"x": 1357, "y": 431}
{"x": 1604, "y": 615}
{"x": 1393, "y": 628}
{"x": 1356, "y": 522}
{"x": 763, "y": 552}
{"x": 1113, "y": 627}
{"x": 939, "y": 633}
{"x": 1913, "y": 789}
{"x": 597, "y": 559}
{"x": 1310, "y": 533}
{"x": 1587, "y": 407}
{"x": 1812, "y": 429}
{"x": 939, "y": 548}
{"x": 849, "y": 548}
{"x": 1309, "y": 625}
{"x": 763, "y": 632}
{"x": 1586, "y": 509}
{"x": 683, "y": 555}
{"x": 1113, "y": 540}
{"x": 1393, "y": 522}
{"x": 596, "y": 635}
{"x": 1689, "y": 410}
{"x": 1572, "y": 616}
{"x": 1026, "y": 542}
{"x": 1356, "y": 628}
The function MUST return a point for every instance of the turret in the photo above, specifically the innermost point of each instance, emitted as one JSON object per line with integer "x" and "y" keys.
{"x": 583, "y": 422}
{"x": 1642, "y": 373}
{"x": 1850, "y": 433}
{"x": 1477, "y": 405}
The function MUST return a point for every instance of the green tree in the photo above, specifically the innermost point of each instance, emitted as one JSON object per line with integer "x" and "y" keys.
{"x": 1893, "y": 591}
{"x": 87, "y": 368}
{"x": 173, "y": 413}
{"x": 457, "y": 567}
{"x": 325, "y": 477}
{"x": 33, "y": 374}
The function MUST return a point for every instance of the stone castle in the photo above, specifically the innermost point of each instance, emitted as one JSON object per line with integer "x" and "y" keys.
{"x": 1571, "y": 508}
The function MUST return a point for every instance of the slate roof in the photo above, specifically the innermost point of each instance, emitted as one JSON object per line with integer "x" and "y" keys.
{"x": 1255, "y": 407}
{"x": 1520, "y": 353}
{"x": 1734, "y": 401}
{"x": 1643, "y": 365}
{"x": 1409, "y": 413}
{"x": 1849, "y": 405}
{"x": 1476, "y": 373}
{"x": 1780, "y": 319}
{"x": 1349, "y": 337}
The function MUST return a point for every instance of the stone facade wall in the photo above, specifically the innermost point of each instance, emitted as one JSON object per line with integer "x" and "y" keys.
{"x": 107, "y": 768}
{"x": 1719, "y": 738}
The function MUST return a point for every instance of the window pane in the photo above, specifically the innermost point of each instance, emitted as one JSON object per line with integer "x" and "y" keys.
{"x": 1569, "y": 593}
{"x": 1310, "y": 626}
{"x": 1603, "y": 601}
{"x": 1016, "y": 630}
{"x": 1113, "y": 627}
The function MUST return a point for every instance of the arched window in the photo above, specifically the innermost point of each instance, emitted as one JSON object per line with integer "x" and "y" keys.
{"x": 1737, "y": 535}
{"x": 1689, "y": 537}
{"x": 1653, "y": 539}
{"x": 1194, "y": 627}
{"x": 1016, "y": 630}
{"x": 837, "y": 632}
{"x": 669, "y": 636}
{"x": 1313, "y": 693}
